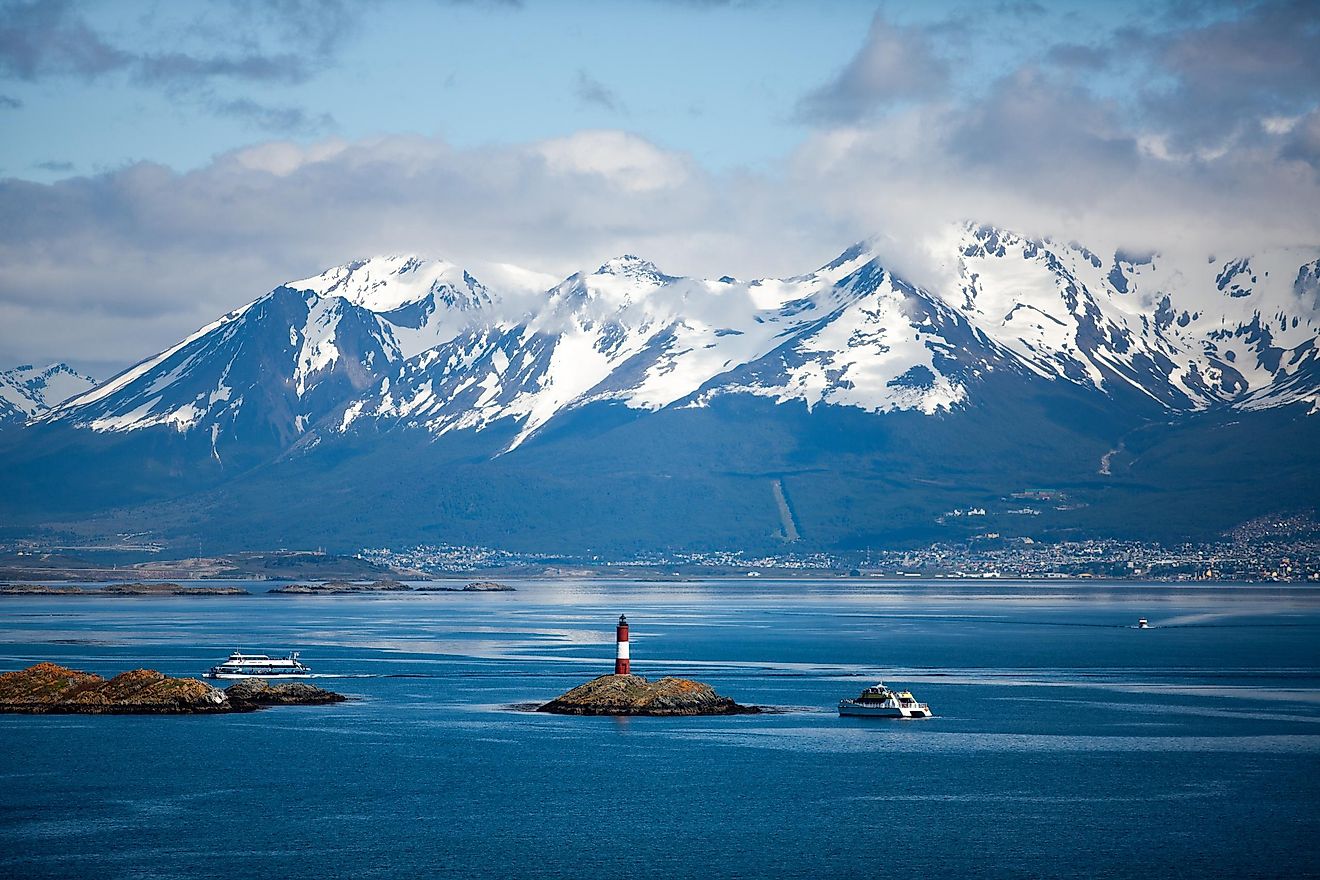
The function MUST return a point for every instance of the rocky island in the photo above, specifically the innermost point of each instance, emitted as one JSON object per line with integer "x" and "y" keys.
{"x": 474, "y": 587}
{"x": 255, "y": 692}
{"x": 341, "y": 588}
{"x": 634, "y": 695}
{"x": 48, "y": 688}
{"x": 158, "y": 588}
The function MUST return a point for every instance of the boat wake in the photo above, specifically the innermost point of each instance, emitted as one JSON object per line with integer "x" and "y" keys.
{"x": 372, "y": 675}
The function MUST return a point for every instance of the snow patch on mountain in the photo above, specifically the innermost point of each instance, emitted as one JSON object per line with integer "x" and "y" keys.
{"x": 1190, "y": 334}
{"x": 384, "y": 284}
{"x": 424, "y": 302}
{"x": 133, "y": 374}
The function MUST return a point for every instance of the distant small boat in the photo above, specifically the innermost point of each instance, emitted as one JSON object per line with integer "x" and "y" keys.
{"x": 880, "y": 702}
{"x": 240, "y": 665}
{"x": 1143, "y": 623}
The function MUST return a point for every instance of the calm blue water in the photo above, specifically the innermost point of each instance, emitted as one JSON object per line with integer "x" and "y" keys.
{"x": 1067, "y": 744}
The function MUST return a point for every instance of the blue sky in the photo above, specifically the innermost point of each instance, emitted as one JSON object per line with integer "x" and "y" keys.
{"x": 719, "y": 81}
{"x": 163, "y": 162}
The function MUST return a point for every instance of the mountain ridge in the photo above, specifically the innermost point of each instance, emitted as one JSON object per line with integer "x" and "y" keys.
{"x": 630, "y": 332}
{"x": 829, "y": 386}
{"x": 27, "y": 392}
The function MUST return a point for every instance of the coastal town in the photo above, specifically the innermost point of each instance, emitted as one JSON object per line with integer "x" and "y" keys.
{"x": 1280, "y": 549}
{"x": 1246, "y": 556}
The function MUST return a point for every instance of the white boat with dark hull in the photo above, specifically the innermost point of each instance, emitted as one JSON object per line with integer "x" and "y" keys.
{"x": 240, "y": 665}
{"x": 880, "y": 702}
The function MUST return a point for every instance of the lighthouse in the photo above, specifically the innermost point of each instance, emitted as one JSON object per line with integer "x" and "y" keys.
{"x": 621, "y": 647}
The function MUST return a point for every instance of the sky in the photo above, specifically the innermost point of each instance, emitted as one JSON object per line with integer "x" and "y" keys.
{"x": 164, "y": 162}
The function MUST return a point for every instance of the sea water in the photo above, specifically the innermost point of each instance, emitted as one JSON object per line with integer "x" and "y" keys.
{"x": 1067, "y": 742}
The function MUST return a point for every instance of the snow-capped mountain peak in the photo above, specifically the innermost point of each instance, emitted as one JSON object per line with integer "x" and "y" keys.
{"x": 386, "y": 284}
{"x": 1188, "y": 334}
{"x": 401, "y": 341}
{"x": 27, "y": 392}
{"x": 277, "y": 364}
{"x": 631, "y": 266}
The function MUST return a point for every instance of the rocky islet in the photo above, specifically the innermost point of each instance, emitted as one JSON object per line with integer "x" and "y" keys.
{"x": 51, "y": 689}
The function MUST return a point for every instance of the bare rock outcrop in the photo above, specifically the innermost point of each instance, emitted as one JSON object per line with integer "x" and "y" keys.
{"x": 634, "y": 695}
{"x": 255, "y": 692}
{"x": 50, "y": 689}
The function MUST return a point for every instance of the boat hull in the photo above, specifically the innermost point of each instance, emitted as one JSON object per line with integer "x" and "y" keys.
{"x": 859, "y": 710}
{"x": 237, "y": 675}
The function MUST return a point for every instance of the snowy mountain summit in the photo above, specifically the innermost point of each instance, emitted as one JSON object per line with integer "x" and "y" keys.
{"x": 26, "y": 391}
{"x": 401, "y": 342}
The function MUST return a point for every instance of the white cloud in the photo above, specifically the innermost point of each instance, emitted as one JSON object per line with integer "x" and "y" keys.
{"x": 282, "y": 158}
{"x": 111, "y": 267}
{"x": 624, "y": 160}
{"x": 1279, "y": 124}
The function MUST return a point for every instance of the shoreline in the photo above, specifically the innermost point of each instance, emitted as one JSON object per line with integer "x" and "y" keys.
{"x": 832, "y": 577}
{"x": 68, "y": 584}
{"x": 121, "y": 576}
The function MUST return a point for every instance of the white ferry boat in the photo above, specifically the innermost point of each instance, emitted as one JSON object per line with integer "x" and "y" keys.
{"x": 880, "y": 702}
{"x": 240, "y": 665}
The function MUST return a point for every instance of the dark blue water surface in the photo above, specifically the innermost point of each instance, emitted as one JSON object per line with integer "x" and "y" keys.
{"x": 1067, "y": 742}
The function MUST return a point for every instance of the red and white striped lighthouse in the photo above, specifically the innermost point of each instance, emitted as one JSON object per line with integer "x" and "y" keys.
{"x": 621, "y": 665}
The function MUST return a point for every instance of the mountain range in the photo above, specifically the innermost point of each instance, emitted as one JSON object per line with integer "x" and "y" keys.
{"x": 398, "y": 400}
